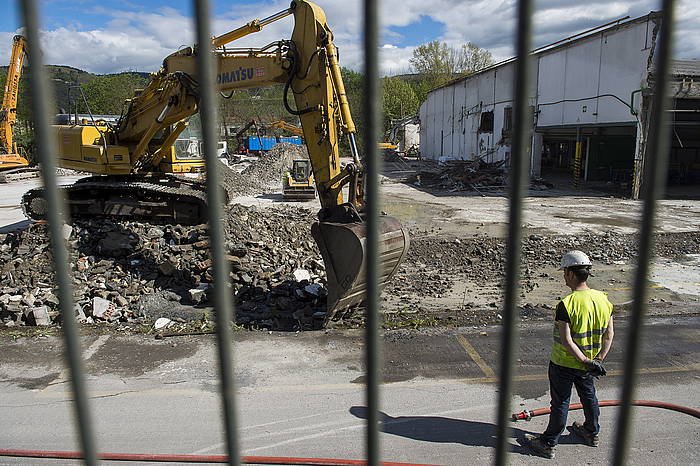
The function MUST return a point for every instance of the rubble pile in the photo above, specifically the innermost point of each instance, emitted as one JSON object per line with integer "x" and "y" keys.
{"x": 125, "y": 271}
{"x": 462, "y": 175}
{"x": 269, "y": 166}
{"x": 264, "y": 174}
{"x": 467, "y": 175}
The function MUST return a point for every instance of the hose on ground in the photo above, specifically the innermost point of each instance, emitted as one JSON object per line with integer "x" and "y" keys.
{"x": 527, "y": 415}
{"x": 161, "y": 458}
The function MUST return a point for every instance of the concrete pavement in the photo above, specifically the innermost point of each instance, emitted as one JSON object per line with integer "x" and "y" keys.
{"x": 302, "y": 395}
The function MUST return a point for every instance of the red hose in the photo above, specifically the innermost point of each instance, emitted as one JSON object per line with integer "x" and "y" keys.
{"x": 74, "y": 455}
{"x": 527, "y": 415}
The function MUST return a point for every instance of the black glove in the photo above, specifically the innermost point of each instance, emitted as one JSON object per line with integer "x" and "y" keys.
{"x": 595, "y": 368}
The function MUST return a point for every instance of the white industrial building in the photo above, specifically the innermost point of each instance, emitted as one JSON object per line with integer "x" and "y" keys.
{"x": 594, "y": 87}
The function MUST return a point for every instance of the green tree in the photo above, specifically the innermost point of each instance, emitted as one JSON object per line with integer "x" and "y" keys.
{"x": 106, "y": 94}
{"x": 355, "y": 91}
{"x": 398, "y": 100}
{"x": 440, "y": 63}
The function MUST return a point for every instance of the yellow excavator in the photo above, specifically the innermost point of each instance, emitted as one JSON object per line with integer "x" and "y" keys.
{"x": 290, "y": 128}
{"x": 134, "y": 182}
{"x": 13, "y": 166}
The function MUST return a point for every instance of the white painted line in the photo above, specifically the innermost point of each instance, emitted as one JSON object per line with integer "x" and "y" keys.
{"x": 92, "y": 349}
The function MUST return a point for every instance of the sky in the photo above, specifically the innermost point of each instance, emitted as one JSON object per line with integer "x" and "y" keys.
{"x": 135, "y": 35}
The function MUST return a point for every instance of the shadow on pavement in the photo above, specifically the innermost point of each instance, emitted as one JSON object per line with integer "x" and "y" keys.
{"x": 22, "y": 224}
{"x": 442, "y": 430}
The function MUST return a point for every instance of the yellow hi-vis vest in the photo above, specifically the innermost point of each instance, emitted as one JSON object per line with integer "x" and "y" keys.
{"x": 589, "y": 313}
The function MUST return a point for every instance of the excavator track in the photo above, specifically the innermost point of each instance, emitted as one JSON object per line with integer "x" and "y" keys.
{"x": 168, "y": 199}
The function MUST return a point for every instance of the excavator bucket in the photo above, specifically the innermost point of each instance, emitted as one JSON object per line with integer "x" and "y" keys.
{"x": 344, "y": 255}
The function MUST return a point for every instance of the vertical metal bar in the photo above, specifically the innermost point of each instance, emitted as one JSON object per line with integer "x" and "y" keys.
{"x": 46, "y": 148}
{"x": 522, "y": 128}
{"x": 222, "y": 291}
{"x": 372, "y": 184}
{"x": 656, "y": 168}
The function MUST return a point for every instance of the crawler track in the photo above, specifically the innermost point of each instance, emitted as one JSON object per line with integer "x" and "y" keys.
{"x": 162, "y": 199}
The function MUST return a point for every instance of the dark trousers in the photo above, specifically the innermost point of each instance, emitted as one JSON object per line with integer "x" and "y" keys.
{"x": 560, "y": 381}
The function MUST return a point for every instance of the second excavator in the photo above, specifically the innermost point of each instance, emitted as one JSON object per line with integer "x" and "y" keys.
{"x": 13, "y": 166}
{"x": 135, "y": 167}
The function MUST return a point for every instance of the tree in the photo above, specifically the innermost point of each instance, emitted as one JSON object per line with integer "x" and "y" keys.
{"x": 398, "y": 100}
{"x": 440, "y": 63}
{"x": 106, "y": 94}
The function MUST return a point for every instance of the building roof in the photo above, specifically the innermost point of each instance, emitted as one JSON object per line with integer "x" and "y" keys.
{"x": 685, "y": 68}
{"x": 564, "y": 43}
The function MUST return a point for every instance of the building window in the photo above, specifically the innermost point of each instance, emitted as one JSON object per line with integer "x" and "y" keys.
{"x": 507, "y": 120}
{"x": 486, "y": 125}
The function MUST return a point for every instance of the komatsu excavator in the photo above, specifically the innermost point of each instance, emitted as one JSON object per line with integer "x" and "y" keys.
{"x": 133, "y": 159}
{"x": 12, "y": 165}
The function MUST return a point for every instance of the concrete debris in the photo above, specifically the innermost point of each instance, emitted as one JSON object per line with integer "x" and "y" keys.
{"x": 126, "y": 271}
{"x": 102, "y": 308}
{"x": 467, "y": 175}
{"x": 301, "y": 275}
{"x": 262, "y": 175}
{"x": 199, "y": 294}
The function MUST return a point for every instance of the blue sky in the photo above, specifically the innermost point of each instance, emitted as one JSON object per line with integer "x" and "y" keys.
{"x": 107, "y": 37}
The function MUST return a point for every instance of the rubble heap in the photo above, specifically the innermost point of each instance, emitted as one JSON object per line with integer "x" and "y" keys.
{"x": 462, "y": 175}
{"x": 467, "y": 175}
{"x": 264, "y": 174}
{"x": 269, "y": 166}
{"x": 124, "y": 271}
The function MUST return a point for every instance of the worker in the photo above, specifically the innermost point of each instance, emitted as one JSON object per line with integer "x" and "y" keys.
{"x": 583, "y": 335}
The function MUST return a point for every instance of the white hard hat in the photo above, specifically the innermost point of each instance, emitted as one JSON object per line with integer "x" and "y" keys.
{"x": 575, "y": 258}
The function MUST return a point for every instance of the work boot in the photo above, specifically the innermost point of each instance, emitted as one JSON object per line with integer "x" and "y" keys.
{"x": 538, "y": 446}
{"x": 584, "y": 434}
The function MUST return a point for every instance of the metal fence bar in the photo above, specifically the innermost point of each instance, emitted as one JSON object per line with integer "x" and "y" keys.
{"x": 520, "y": 162}
{"x": 46, "y": 149}
{"x": 371, "y": 114}
{"x": 222, "y": 290}
{"x": 656, "y": 169}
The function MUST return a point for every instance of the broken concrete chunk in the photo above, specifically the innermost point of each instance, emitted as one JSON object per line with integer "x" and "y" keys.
{"x": 167, "y": 268}
{"x": 39, "y": 316}
{"x": 199, "y": 294}
{"x": 315, "y": 289}
{"x": 101, "y": 308}
{"x": 302, "y": 274}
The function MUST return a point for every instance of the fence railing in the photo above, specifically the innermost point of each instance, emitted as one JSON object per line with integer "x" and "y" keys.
{"x": 656, "y": 164}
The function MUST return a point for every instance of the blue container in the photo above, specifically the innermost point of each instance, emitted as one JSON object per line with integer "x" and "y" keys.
{"x": 255, "y": 143}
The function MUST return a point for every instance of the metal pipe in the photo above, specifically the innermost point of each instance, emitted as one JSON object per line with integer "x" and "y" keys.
{"x": 522, "y": 127}
{"x": 222, "y": 290}
{"x": 656, "y": 166}
{"x": 46, "y": 147}
{"x": 253, "y": 26}
{"x": 371, "y": 112}
{"x": 276, "y": 16}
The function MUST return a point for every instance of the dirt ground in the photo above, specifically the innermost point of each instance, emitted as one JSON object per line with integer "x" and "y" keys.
{"x": 453, "y": 274}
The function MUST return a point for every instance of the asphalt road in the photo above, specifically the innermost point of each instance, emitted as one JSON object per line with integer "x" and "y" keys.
{"x": 302, "y": 395}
